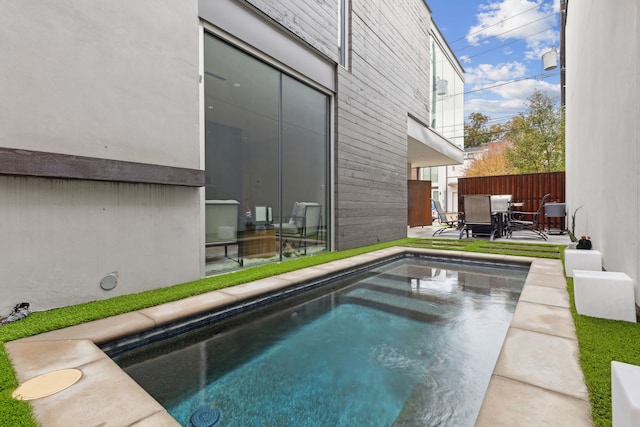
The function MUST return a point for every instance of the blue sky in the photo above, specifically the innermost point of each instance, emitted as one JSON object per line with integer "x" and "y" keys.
{"x": 500, "y": 43}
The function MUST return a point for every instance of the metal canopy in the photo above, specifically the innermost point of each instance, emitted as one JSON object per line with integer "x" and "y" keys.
{"x": 427, "y": 148}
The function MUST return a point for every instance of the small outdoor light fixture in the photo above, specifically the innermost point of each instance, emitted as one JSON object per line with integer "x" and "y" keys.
{"x": 442, "y": 87}
{"x": 109, "y": 281}
{"x": 550, "y": 59}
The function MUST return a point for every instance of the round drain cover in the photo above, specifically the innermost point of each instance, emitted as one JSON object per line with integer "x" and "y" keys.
{"x": 47, "y": 384}
{"x": 205, "y": 417}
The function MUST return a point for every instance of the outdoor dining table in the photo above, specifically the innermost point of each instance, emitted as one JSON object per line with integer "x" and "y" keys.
{"x": 502, "y": 217}
{"x": 501, "y": 213}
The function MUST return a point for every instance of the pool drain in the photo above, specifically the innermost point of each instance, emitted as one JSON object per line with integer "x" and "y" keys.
{"x": 205, "y": 417}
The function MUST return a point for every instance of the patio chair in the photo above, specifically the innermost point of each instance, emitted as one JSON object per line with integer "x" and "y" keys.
{"x": 527, "y": 221}
{"x": 500, "y": 202}
{"x": 478, "y": 216}
{"x": 304, "y": 223}
{"x": 443, "y": 219}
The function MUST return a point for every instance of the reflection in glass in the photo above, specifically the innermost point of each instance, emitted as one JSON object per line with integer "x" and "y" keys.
{"x": 447, "y": 106}
{"x": 266, "y": 145}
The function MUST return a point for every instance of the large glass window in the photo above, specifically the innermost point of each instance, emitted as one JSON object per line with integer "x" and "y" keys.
{"x": 266, "y": 145}
{"x": 447, "y": 100}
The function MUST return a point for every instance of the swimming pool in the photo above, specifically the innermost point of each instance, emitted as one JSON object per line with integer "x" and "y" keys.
{"x": 410, "y": 342}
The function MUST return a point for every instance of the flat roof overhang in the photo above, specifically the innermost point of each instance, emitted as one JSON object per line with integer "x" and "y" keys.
{"x": 428, "y": 148}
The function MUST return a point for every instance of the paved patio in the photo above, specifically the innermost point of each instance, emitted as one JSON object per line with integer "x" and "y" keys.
{"x": 519, "y": 236}
{"x": 537, "y": 379}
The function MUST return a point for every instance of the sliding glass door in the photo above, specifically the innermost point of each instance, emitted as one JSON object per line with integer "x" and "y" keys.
{"x": 266, "y": 160}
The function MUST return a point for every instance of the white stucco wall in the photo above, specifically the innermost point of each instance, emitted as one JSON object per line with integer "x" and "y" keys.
{"x": 603, "y": 128}
{"x": 61, "y": 237}
{"x": 116, "y": 79}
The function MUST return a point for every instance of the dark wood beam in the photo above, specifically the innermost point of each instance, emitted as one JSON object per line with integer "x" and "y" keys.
{"x": 53, "y": 165}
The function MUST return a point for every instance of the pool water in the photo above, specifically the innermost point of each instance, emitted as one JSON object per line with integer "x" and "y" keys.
{"x": 411, "y": 343}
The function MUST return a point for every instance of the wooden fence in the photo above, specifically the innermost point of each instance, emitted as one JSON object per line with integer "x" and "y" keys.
{"x": 528, "y": 189}
{"x": 419, "y": 206}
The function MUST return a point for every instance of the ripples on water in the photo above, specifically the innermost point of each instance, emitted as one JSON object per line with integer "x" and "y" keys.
{"x": 363, "y": 356}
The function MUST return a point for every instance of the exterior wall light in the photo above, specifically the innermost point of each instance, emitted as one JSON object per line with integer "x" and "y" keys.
{"x": 550, "y": 59}
{"x": 442, "y": 87}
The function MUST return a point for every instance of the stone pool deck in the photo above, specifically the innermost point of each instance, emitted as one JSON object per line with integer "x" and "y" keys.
{"x": 537, "y": 379}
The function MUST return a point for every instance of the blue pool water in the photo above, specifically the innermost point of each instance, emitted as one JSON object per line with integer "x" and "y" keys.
{"x": 410, "y": 343}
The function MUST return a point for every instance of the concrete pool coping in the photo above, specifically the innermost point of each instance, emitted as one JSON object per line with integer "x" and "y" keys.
{"x": 536, "y": 381}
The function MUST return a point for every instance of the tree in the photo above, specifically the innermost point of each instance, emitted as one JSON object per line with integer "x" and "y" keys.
{"x": 476, "y": 132}
{"x": 492, "y": 163}
{"x": 536, "y": 137}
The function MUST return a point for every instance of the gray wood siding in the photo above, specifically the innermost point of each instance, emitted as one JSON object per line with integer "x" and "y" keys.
{"x": 388, "y": 79}
{"x": 313, "y": 21}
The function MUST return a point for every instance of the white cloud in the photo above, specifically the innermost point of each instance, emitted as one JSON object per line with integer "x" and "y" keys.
{"x": 525, "y": 29}
{"x": 507, "y": 99}
{"x": 485, "y": 73}
{"x": 524, "y": 88}
{"x": 530, "y": 20}
{"x": 495, "y": 108}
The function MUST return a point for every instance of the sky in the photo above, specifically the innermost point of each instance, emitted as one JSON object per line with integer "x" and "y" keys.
{"x": 500, "y": 43}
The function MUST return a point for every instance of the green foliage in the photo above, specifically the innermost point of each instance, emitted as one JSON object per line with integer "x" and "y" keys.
{"x": 492, "y": 163}
{"x": 537, "y": 137}
{"x": 572, "y": 229}
{"x": 476, "y": 133}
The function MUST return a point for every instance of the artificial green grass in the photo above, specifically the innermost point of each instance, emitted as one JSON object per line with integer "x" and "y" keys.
{"x": 539, "y": 250}
{"x": 18, "y": 413}
{"x": 600, "y": 340}
{"x": 12, "y": 412}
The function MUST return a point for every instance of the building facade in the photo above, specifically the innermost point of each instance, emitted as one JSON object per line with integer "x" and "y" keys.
{"x": 144, "y": 143}
{"x": 602, "y": 128}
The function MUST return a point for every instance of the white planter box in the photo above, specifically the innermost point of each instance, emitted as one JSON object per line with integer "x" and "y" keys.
{"x": 581, "y": 259}
{"x": 604, "y": 294}
{"x": 625, "y": 394}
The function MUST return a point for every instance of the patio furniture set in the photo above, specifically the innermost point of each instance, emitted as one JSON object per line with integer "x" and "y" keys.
{"x": 496, "y": 216}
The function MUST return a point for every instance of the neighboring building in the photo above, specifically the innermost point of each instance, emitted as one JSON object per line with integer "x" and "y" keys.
{"x": 450, "y": 175}
{"x": 142, "y": 141}
{"x": 602, "y": 51}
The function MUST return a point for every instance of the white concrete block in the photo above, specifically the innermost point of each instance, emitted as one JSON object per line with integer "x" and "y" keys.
{"x": 604, "y": 294}
{"x": 581, "y": 259}
{"x": 625, "y": 394}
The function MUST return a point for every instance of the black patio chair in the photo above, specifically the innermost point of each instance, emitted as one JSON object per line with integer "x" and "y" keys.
{"x": 527, "y": 221}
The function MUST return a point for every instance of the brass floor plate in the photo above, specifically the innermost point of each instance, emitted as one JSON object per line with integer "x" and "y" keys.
{"x": 47, "y": 384}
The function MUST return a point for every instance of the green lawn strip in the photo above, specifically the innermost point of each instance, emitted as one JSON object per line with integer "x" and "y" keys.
{"x": 539, "y": 250}
{"x": 522, "y": 254}
{"x": 45, "y": 321}
{"x": 12, "y": 412}
{"x": 602, "y": 341}
{"x": 532, "y": 247}
{"x": 16, "y": 413}
{"x": 456, "y": 245}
